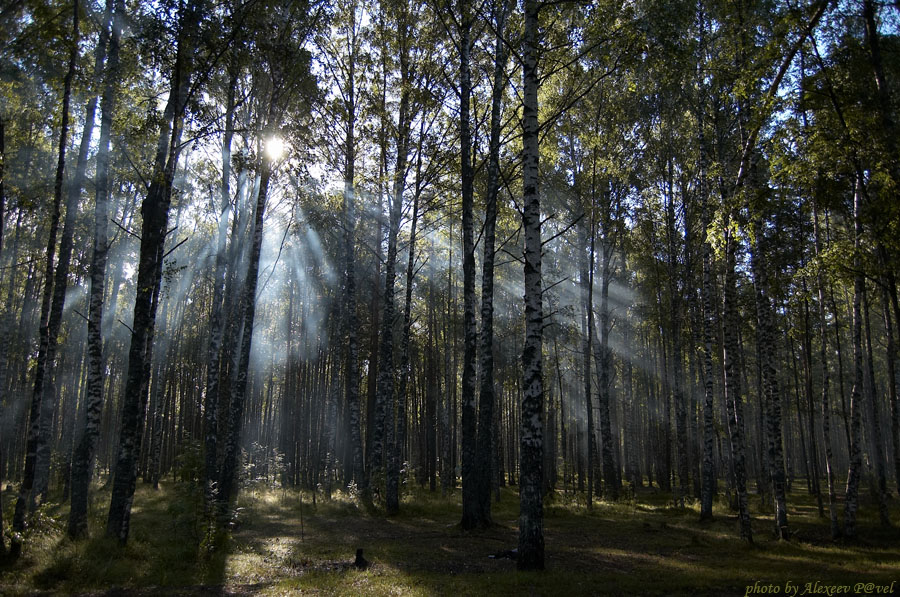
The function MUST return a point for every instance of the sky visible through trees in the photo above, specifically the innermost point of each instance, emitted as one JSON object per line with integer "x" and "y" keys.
{"x": 355, "y": 247}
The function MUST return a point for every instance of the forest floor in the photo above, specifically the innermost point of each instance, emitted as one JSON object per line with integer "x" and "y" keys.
{"x": 282, "y": 545}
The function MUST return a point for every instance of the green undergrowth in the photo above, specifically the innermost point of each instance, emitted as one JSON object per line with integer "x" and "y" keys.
{"x": 285, "y": 542}
{"x": 166, "y": 548}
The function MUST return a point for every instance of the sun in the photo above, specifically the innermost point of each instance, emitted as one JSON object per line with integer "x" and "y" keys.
{"x": 274, "y": 148}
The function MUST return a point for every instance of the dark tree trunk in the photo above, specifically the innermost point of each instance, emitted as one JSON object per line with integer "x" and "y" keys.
{"x": 676, "y": 312}
{"x": 247, "y": 310}
{"x": 470, "y": 502}
{"x": 155, "y": 214}
{"x": 826, "y": 378}
{"x": 733, "y": 398}
{"x": 766, "y": 342}
{"x": 708, "y": 485}
{"x": 26, "y": 498}
{"x": 875, "y": 418}
{"x": 889, "y": 286}
{"x": 813, "y": 446}
{"x": 431, "y": 395}
{"x": 605, "y": 389}
{"x": 851, "y": 502}
{"x": 393, "y": 489}
{"x": 484, "y": 445}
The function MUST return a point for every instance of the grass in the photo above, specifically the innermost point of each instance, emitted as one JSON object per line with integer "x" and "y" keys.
{"x": 281, "y": 545}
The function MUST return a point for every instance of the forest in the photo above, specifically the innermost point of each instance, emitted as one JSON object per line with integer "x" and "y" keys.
{"x": 538, "y": 297}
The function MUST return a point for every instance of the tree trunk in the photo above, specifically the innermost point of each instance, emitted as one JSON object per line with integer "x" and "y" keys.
{"x": 470, "y": 499}
{"x": 605, "y": 389}
{"x": 708, "y": 486}
{"x": 766, "y": 342}
{"x": 448, "y": 474}
{"x": 875, "y": 418}
{"x": 675, "y": 309}
{"x": 351, "y": 321}
{"x": 826, "y": 406}
{"x": 155, "y": 214}
{"x": 26, "y": 497}
{"x": 60, "y": 283}
{"x": 393, "y": 489}
{"x": 813, "y": 447}
{"x": 851, "y": 501}
{"x": 247, "y": 310}
{"x": 587, "y": 297}
{"x": 531, "y": 506}
{"x": 217, "y": 318}
{"x": 733, "y": 398}
{"x": 385, "y": 383}
{"x": 484, "y": 435}
{"x": 888, "y": 126}
{"x": 888, "y": 286}
{"x": 431, "y": 391}
{"x": 83, "y": 458}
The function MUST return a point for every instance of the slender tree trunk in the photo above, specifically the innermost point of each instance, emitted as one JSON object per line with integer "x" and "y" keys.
{"x": 385, "y": 383}
{"x": 60, "y": 283}
{"x": 813, "y": 447}
{"x": 432, "y": 391}
{"x": 217, "y": 318}
{"x": 247, "y": 310}
{"x": 26, "y": 497}
{"x": 733, "y": 398}
{"x": 83, "y": 458}
{"x": 708, "y": 485}
{"x": 891, "y": 358}
{"x": 470, "y": 502}
{"x": 485, "y": 438}
{"x": 393, "y": 488}
{"x": 888, "y": 283}
{"x": 448, "y": 475}
{"x": 875, "y": 418}
{"x": 633, "y": 441}
{"x": 768, "y": 350}
{"x": 826, "y": 378}
{"x": 587, "y": 293}
{"x": 605, "y": 389}
{"x": 845, "y": 416}
{"x": 675, "y": 300}
{"x": 333, "y": 396}
{"x": 531, "y": 506}
{"x": 851, "y": 501}
{"x": 351, "y": 320}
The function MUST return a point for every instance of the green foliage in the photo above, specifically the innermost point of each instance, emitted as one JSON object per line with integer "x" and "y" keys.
{"x": 262, "y": 467}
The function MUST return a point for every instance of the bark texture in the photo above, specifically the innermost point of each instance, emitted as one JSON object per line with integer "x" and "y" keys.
{"x": 82, "y": 460}
{"x": 25, "y": 501}
{"x": 531, "y": 505}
